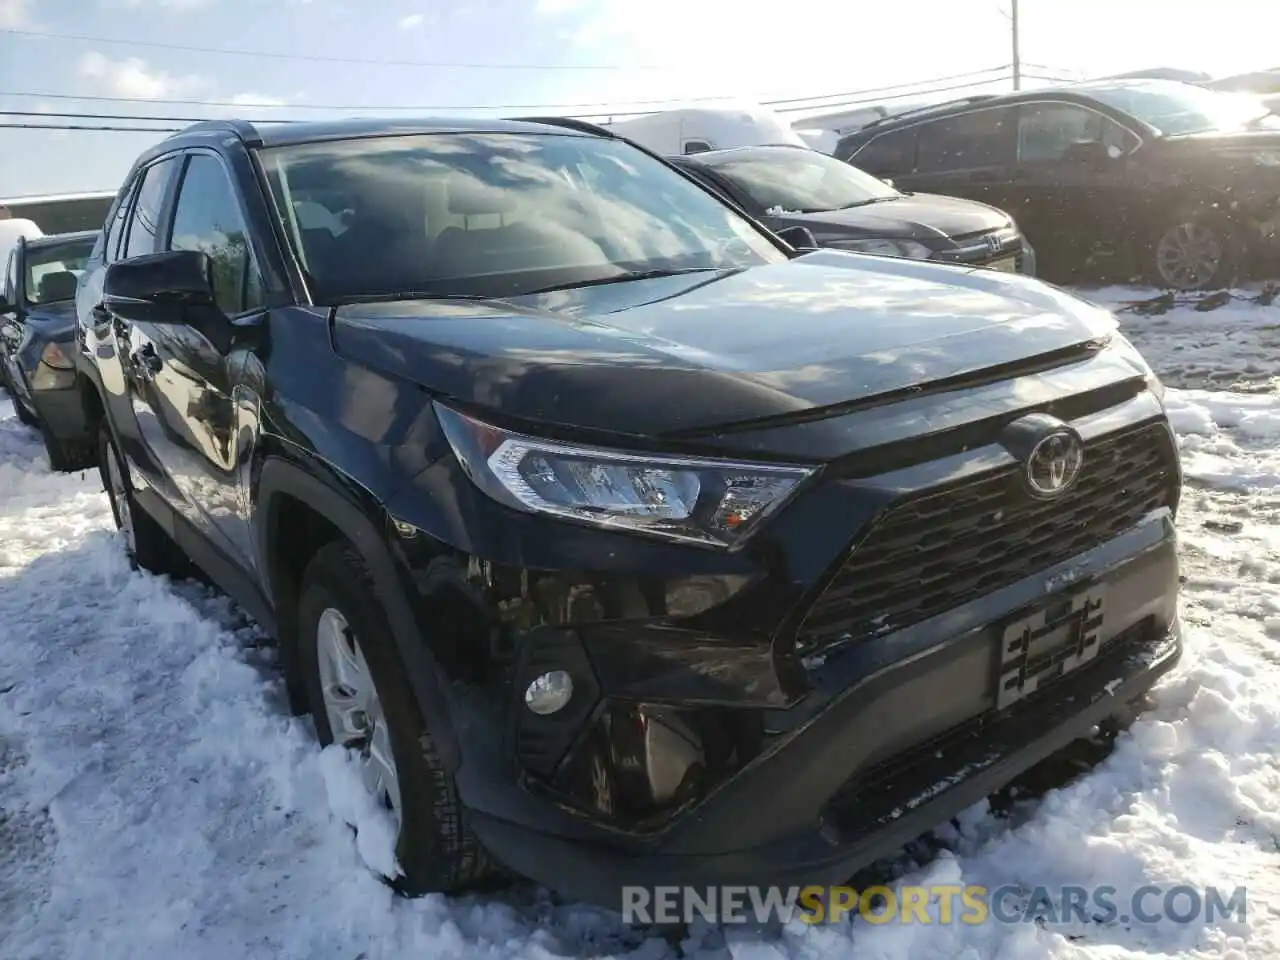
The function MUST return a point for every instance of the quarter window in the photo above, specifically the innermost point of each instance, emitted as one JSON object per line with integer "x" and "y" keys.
{"x": 888, "y": 154}
{"x": 144, "y": 225}
{"x": 207, "y": 218}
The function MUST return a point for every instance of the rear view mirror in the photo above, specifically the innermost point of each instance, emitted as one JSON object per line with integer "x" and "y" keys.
{"x": 801, "y": 238}
{"x": 159, "y": 287}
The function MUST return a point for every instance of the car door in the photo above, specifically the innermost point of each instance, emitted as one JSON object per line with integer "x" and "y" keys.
{"x": 124, "y": 350}
{"x": 190, "y": 380}
{"x": 11, "y": 318}
{"x": 966, "y": 155}
{"x": 1070, "y": 179}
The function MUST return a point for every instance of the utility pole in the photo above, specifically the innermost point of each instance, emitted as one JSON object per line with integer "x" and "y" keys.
{"x": 1017, "y": 57}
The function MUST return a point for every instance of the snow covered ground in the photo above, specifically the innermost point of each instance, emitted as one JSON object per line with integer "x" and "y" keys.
{"x": 157, "y": 801}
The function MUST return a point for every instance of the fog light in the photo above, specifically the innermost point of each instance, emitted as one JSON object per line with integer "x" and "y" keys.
{"x": 549, "y": 692}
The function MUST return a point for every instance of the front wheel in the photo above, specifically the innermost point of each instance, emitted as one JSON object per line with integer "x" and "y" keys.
{"x": 360, "y": 699}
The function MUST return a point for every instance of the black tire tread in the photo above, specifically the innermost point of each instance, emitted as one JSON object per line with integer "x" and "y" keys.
{"x": 437, "y": 850}
{"x": 154, "y": 550}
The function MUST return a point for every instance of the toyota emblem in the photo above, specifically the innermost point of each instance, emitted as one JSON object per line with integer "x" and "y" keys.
{"x": 1054, "y": 464}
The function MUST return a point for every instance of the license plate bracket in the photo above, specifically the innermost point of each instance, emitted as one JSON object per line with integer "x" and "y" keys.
{"x": 1004, "y": 265}
{"x": 1040, "y": 647}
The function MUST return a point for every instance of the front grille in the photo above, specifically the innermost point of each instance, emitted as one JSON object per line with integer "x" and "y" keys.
{"x": 931, "y": 552}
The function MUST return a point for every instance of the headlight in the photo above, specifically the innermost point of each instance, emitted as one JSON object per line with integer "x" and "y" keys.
{"x": 886, "y": 248}
{"x": 53, "y": 356}
{"x": 1131, "y": 353}
{"x": 692, "y": 499}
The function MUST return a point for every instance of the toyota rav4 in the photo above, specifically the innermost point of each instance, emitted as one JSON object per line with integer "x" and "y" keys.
{"x": 621, "y": 540}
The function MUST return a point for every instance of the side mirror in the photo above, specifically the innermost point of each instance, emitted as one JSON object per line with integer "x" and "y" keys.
{"x": 887, "y": 181}
{"x": 801, "y": 238}
{"x": 173, "y": 288}
{"x": 159, "y": 287}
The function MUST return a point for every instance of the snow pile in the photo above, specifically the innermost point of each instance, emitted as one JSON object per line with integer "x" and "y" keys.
{"x": 157, "y": 801}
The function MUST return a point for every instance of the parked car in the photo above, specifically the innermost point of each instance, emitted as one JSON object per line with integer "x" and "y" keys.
{"x": 622, "y": 543}
{"x": 699, "y": 129}
{"x": 847, "y": 209}
{"x": 37, "y": 350}
{"x": 1109, "y": 180}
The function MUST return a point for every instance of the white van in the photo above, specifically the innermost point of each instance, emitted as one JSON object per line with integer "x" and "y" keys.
{"x": 699, "y": 129}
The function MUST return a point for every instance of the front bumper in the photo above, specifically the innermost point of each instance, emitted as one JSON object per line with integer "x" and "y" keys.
{"x": 899, "y": 735}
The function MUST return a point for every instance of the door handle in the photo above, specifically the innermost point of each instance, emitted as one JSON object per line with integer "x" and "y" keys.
{"x": 146, "y": 362}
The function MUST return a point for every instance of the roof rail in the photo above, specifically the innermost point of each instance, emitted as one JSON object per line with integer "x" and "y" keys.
{"x": 241, "y": 128}
{"x": 571, "y": 123}
{"x": 929, "y": 108}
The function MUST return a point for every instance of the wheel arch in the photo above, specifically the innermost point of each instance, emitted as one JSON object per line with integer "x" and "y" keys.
{"x": 340, "y": 509}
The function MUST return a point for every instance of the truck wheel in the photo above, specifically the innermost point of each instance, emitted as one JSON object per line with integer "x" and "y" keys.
{"x": 360, "y": 699}
{"x": 146, "y": 543}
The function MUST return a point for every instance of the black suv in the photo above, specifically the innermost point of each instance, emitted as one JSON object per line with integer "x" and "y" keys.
{"x": 625, "y": 543}
{"x": 1108, "y": 180}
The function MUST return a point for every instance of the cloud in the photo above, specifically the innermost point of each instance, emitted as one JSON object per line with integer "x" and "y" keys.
{"x": 411, "y": 21}
{"x": 133, "y": 78}
{"x": 169, "y": 4}
{"x": 13, "y": 13}
{"x": 257, "y": 100}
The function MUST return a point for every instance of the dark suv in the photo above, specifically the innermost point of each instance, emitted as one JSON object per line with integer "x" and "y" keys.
{"x": 1108, "y": 180}
{"x": 624, "y": 543}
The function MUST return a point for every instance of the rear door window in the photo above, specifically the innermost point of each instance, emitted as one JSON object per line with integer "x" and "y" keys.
{"x": 976, "y": 140}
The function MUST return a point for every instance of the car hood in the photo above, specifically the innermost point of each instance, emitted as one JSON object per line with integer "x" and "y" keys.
{"x": 688, "y": 354}
{"x": 919, "y": 216}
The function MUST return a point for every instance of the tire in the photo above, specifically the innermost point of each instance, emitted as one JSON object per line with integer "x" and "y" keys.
{"x": 1211, "y": 236}
{"x": 68, "y": 456}
{"x": 147, "y": 545}
{"x": 435, "y": 847}
{"x": 25, "y": 416}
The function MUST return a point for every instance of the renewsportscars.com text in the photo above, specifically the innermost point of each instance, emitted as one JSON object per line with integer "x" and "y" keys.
{"x": 939, "y": 904}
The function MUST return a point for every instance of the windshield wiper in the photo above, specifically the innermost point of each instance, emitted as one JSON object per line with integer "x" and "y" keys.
{"x": 408, "y": 295}
{"x": 624, "y": 277}
{"x": 863, "y": 203}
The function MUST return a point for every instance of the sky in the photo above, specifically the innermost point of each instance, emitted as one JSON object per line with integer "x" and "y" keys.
{"x": 505, "y": 57}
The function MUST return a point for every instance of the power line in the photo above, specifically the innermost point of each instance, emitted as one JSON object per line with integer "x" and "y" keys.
{"x": 152, "y": 119}
{"x": 354, "y": 106}
{"x": 317, "y": 58}
{"x": 70, "y": 126}
{"x": 897, "y": 86}
{"x": 605, "y": 107}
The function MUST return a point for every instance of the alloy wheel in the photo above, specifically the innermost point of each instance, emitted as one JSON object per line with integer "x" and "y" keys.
{"x": 1188, "y": 255}
{"x": 352, "y": 707}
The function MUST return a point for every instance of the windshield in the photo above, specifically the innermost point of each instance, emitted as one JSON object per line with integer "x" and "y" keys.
{"x": 801, "y": 181}
{"x": 1175, "y": 108}
{"x": 54, "y": 270}
{"x": 495, "y": 215}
